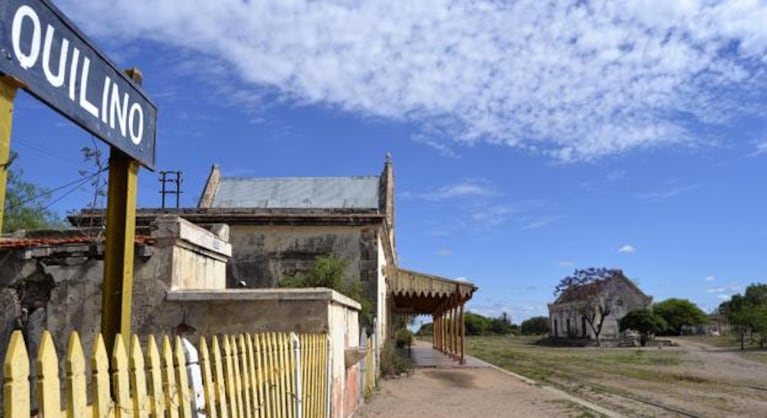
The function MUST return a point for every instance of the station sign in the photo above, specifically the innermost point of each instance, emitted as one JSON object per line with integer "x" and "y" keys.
{"x": 56, "y": 63}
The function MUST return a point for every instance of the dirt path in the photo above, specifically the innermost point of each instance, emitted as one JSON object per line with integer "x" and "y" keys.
{"x": 724, "y": 363}
{"x": 477, "y": 392}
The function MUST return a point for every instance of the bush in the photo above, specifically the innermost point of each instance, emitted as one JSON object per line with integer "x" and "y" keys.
{"x": 328, "y": 271}
{"x": 404, "y": 338}
{"x": 393, "y": 363}
{"x": 537, "y": 325}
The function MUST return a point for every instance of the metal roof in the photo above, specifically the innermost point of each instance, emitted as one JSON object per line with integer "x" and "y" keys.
{"x": 298, "y": 192}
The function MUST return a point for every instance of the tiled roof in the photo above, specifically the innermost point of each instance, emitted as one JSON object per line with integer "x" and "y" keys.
{"x": 298, "y": 192}
{"x": 17, "y": 243}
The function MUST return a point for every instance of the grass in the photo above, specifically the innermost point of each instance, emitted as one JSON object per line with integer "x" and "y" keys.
{"x": 549, "y": 364}
{"x": 576, "y": 410}
{"x": 723, "y": 341}
{"x": 760, "y": 357}
{"x": 607, "y": 376}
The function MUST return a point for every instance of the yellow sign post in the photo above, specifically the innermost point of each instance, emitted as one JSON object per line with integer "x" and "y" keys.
{"x": 120, "y": 237}
{"x": 8, "y": 88}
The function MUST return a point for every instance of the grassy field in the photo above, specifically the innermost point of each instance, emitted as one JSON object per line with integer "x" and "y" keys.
{"x": 639, "y": 381}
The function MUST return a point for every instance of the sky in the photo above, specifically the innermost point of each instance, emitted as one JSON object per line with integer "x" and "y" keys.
{"x": 529, "y": 138}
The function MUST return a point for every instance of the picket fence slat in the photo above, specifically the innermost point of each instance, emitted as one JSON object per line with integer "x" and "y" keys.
{"x": 138, "y": 378}
{"x": 154, "y": 368}
{"x": 102, "y": 401}
{"x": 16, "y": 398}
{"x": 172, "y": 398}
{"x": 77, "y": 399}
{"x": 244, "y": 376}
{"x": 185, "y": 397}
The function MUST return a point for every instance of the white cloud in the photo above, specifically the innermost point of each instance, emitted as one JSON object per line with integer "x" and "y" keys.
{"x": 724, "y": 290}
{"x": 627, "y": 249}
{"x": 669, "y": 192}
{"x": 464, "y": 188}
{"x": 444, "y": 252}
{"x": 709, "y": 278}
{"x": 564, "y": 263}
{"x": 575, "y": 82}
{"x": 527, "y": 214}
{"x": 761, "y": 148}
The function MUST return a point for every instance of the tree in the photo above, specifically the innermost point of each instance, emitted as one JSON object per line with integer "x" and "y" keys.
{"x": 587, "y": 290}
{"x": 737, "y": 315}
{"x": 644, "y": 321}
{"x": 476, "y": 324}
{"x": 536, "y": 325}
{"x": 679, "y": 313}
{"x": 748, "y": 314}
{"x": 756, "y": 301}
{"x": 26, "y": 203}
{"x": 501, "y": 325}
{"x": 328, "y": 271}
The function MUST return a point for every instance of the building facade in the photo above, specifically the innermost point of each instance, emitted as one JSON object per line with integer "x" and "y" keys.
{"x": 618, "y": 293}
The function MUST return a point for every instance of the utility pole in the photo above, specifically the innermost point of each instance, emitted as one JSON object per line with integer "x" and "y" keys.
{"x": 175, "y": 180}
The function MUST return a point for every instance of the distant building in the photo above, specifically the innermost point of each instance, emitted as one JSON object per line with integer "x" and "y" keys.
{"x": 620, "y": 294}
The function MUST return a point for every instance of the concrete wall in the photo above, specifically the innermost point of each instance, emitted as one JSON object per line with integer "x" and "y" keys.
{"x": 179, "y": 281}
{"x": 262, "y": 254}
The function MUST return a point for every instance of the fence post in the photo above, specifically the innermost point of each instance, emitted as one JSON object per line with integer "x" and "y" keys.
{"x": 329, "y": 409}
{"x": 297, "y": 374}
{"x": 195, "y": 378}
{"x": 376, "y": 351}
{"x": 363, "y": 366}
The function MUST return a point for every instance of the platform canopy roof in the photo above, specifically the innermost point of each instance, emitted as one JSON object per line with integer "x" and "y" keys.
{"x": 420, "y": 293}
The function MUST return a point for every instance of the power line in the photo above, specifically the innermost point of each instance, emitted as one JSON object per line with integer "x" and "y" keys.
{"x": 76, "y": 183}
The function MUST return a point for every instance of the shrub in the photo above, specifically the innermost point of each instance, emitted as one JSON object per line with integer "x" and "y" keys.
{"x": 328, "y": 271}
{"x": 393, "y": 363}
{"x": 404, "y": 338}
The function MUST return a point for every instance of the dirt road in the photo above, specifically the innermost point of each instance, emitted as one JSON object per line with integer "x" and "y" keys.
{"x": 479, "y": 392}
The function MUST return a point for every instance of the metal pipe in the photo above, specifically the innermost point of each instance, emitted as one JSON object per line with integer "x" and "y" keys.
{"x": 297, "y": 374}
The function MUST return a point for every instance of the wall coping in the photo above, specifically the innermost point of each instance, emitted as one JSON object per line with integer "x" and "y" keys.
{"x": 182, "y": 231}
{"x": 282, "y": 295}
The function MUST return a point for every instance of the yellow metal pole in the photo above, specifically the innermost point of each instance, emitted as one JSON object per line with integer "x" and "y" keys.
{"x": 8, "y": 88}
{"x": 117, "y": 296}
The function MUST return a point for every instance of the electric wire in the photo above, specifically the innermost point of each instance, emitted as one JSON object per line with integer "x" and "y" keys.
{"x": 77, "y": 183}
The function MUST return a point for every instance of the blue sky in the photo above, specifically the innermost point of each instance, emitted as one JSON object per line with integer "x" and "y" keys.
{"x": 528, "y": 139}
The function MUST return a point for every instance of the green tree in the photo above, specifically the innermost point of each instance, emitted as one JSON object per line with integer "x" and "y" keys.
{"x": 737, "y": 315}
{"x": 426, "y": 329}
{"x": 328, "y": 271}
{"x": 26, "y": 203}
{"x": 748, "y": 314}
{"x": 501, "y": 325}
{"x": 679, "y": 313}
{"x": 537, "y": 325}
{"x": 644, "y": 321}
{"x": 476, "y": 324}
{"x": 756, "y": 300}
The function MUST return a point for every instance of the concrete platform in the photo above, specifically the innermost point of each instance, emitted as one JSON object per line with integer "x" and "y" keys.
{"x": 424, "y": 356}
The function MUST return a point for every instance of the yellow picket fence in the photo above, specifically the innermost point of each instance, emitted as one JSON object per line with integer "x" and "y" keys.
{"x": 244, "y": 376}
{"x": 370, "y": 370}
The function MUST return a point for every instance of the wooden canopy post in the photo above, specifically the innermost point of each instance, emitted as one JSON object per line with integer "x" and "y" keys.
{"x": 463, "y": 334}
{"x": 454, "y": 308}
